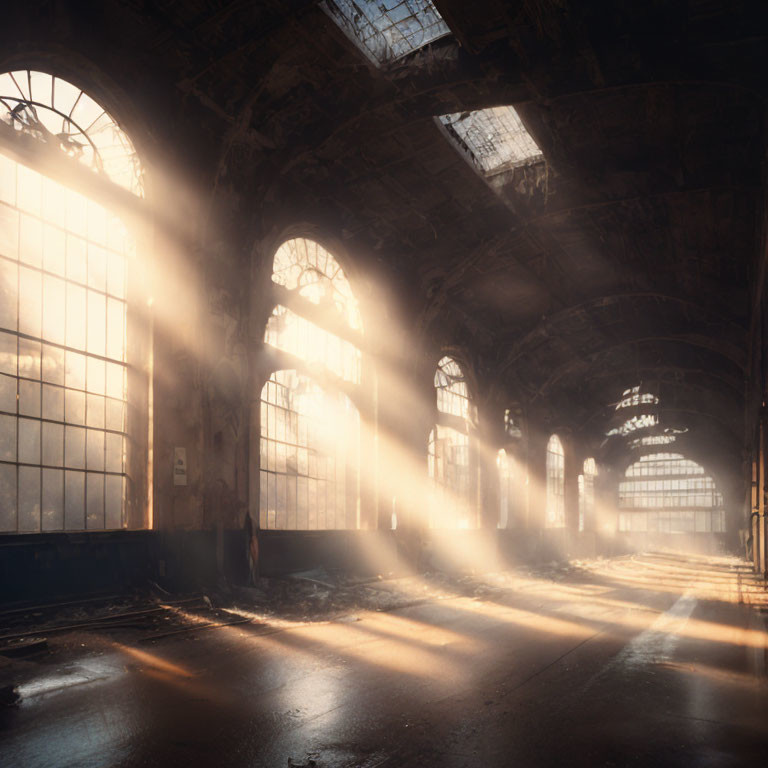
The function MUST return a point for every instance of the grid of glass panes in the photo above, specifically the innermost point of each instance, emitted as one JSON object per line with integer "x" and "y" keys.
{"x": 388, "y": 29}
{"x": 449, "y": 469}
{"x": 699, "y": 491}
{"x": 555, "y": 512}
{"x": 62, "y": 357}
{"x": 300, "y": 337}
{"x": 452, "y": 393}
{"x": 667, "y": 464}
{"x": 309, "y": 450}
{"x": 673, "y": 521}
{"x": 496, "y": 138}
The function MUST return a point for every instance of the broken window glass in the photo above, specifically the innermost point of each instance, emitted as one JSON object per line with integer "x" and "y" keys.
{"x": 385, "y": 30}
{"x": 60, "y": 114}
{"x": 495, "y": 139}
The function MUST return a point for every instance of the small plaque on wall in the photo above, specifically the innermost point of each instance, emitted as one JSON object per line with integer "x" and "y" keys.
{"x": 179, "y": 466}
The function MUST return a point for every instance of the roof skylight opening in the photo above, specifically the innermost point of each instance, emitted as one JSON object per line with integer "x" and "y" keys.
{"x": 634, "y": 396}
{"x": 633, "y": 424}
{"x": 495, "y": 138}
{"x": 642, "y": 442}
{"x": 385, "y": 30}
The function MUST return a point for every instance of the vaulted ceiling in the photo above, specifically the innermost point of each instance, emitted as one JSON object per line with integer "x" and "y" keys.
{"x": 624, "y": 259}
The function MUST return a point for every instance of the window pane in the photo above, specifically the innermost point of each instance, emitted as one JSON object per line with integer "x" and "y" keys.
{"x": 53, "y": 402}
{"x": 114, "y": 502}
{"x": 29, "y": 441}
{"x": 29, "y": 498}
{"x": 29, "y": 398}
{"x": 114, "y": 451}
{"x": 75, "y": 447}
{"x": 53, "y": 499}
{"x": 9, "y": 275}
{"x": 95, "y": 450}
{"x": 95, "y": 500}
{"x": 53, "y": 444}
{"x": 30, "y": 301}
{"x": 7, "y": 497}
{"x": 7, "y": 393}
{"x": 74, "y": 495}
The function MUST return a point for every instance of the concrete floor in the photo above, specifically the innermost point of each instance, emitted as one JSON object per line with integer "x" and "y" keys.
{"x": 649, "y": 661}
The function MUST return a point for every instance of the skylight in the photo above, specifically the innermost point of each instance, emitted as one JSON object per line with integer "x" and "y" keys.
{"x": 495, "y": 138}
{"x": 633, "y": 424}
{"x": 634, "y": 396}
{"x": 641, "y": 442}
{"x": 387, "y": 29}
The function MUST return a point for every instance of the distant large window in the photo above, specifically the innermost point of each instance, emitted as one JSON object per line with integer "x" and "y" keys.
{"x": 555, "y": 503}
{"x": 72, "y": 411}
{"x": 667, "y": 493}
{"x": 449, "y": 456}
{"x": 310, "y": 428}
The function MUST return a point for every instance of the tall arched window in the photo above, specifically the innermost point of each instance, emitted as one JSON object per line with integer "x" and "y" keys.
{"x": 587, "y": 494}
{"x": 310, "y": 427}
{"x": 449, "y": 458}
{"x": 555, "y": 512}
{"x": 667, "y": 493}
{"x": 72, "y": 393}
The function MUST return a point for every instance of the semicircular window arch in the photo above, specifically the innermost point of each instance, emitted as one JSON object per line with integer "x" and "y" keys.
{"x": 667, "y": 493}
{"x": 64, "y": 116}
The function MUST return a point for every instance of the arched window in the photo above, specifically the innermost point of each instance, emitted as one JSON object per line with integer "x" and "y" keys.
{"x": 449, "y": 459}
{"x": 555, "y": 512}
{"x": 667, "y": 493}
{"x": 73, "y": 413}
{"x": 587, "y": 494}
{"x": 310, "y": 427}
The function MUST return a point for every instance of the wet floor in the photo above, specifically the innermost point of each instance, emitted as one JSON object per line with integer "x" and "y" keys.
{"x": 653, "y": 660}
